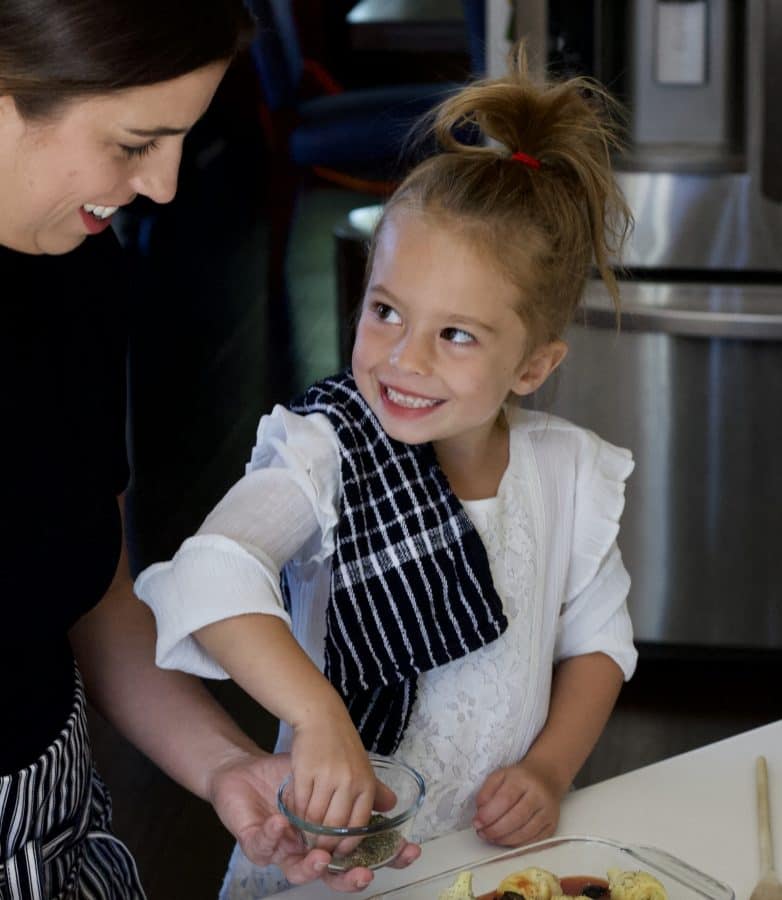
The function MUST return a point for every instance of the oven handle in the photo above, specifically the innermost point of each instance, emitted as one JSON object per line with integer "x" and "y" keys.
{"x": 763, "y": 324}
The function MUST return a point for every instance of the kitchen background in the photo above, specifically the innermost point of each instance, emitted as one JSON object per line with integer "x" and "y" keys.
{"x": 691, "y": 383}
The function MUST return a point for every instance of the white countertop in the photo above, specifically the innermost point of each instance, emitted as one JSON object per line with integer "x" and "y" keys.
{"x": 699, "y": 806}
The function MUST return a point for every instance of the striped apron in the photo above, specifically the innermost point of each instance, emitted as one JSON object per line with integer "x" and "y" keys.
{"x": 55, "y": 826}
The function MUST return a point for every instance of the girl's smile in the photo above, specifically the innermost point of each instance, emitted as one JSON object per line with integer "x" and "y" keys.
{"x": 403, "y": 403}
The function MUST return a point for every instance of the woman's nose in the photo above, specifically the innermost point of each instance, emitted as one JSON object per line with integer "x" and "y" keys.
{"x": 412, "y": 353}
{"x": 158, "y": 173}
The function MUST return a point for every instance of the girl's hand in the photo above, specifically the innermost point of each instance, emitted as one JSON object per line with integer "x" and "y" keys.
{"x": 516, "y": 805}
{"x": 333, "y": 781}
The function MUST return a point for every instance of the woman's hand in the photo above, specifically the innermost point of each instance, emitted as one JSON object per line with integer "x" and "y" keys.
{"x": 243, "y": 793}
{"x": 517, "y": 804}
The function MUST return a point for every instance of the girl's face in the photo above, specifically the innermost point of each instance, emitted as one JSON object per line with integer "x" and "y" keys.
{"x": 62, "y": 179}
{"x": 439, "y": 345}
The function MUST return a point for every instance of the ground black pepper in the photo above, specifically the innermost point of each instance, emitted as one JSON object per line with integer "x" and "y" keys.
{"x": 374, "y": 849}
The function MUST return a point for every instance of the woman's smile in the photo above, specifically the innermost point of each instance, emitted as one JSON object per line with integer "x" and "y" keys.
{"x": 96, "y": 218}
{"x": 62, "y": 179}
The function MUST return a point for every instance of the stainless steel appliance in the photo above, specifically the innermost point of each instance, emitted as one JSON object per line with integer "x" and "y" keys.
{"x": 692, "y": 382}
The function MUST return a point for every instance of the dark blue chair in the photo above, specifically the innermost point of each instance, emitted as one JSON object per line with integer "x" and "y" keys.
{"x": 360, "y": 132}
{"x": 357, "y": 138}
{"x": 475, "y": 20}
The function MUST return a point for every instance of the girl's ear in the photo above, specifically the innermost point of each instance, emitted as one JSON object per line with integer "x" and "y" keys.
{"x": 537, "y": 368}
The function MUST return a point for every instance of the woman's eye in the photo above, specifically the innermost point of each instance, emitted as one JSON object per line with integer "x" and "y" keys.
{"x": 457, "y": 336}
{"x": 387, "y": 313}
{"x": 138, "y": 151}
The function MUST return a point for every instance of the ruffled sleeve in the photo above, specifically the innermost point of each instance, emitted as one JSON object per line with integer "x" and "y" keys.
{"x": 307, "y": 447}
{"x": 284, "y": 508}
{"x": 594, "y": 617}
{"x": 601, "y": 472}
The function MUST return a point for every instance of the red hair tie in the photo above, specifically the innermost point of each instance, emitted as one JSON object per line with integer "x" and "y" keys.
{"x": 526, "y": 159}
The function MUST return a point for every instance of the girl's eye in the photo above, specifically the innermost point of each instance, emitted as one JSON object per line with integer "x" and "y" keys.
{"x": 457, "y": 336}
{"x": 387, "y": 313}
{"x": 140, "y": 150}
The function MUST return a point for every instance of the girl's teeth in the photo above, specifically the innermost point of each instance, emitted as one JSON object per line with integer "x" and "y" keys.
{"x": 100, "y": 212}
{"x": 408, "y": 401}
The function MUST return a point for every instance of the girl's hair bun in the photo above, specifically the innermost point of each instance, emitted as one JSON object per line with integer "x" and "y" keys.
{"x": 514, "y": 113}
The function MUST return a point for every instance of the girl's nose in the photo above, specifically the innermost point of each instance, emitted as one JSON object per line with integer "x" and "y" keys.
{"x": 412, "y": 353}
{"x": 157, "y": 174}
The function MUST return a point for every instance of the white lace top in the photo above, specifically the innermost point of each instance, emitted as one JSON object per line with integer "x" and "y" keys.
{"x": 550, "y": 534}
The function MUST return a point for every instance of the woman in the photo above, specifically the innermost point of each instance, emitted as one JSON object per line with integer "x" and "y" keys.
{"x": 96, "y": 97}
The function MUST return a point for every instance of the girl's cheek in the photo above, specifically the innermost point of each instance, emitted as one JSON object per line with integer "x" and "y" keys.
{"x": 357, "y": 357}
{"x": 366, "y": 334}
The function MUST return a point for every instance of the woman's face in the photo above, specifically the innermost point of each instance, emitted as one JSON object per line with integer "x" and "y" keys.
{"x": 61, "y": 179}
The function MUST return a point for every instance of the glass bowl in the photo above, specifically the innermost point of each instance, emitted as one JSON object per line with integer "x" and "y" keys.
{"x": 572, "y": 855}
{"x": 373, "y": 845}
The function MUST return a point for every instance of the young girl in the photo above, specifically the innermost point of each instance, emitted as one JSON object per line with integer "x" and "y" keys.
{"x": 448, "y": 558}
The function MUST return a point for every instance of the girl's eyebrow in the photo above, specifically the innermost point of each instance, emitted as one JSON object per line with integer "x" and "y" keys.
{"x": 379, "y": 289}
{"x": 469, "y": 321}
{"x": 474, "y": 323}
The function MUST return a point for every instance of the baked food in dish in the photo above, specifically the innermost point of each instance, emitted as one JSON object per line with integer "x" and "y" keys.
{"x": 634, "y": 886}
{"x": 461, "y": 889}
{"x": 539, "y": 884}
{"x": 532, "y": 884}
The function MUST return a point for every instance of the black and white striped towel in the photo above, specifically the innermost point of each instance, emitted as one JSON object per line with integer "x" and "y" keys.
{"x": 411, "y": 587}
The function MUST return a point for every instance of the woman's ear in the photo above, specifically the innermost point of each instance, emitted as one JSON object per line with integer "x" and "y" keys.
{"x": 537, "y": 368}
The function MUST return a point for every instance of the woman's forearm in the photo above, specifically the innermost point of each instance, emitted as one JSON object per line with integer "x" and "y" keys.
{"x": 169, "y": 716}
{"x": 584, "y": 691}
{"x": 174, "y": 720}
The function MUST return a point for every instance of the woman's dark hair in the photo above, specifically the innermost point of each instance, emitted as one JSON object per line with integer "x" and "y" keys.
{"x": 52, "y": 51}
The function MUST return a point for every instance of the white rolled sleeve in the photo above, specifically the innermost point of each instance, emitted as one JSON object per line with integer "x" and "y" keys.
{"x": 597, "y": 620}
{"x": 284, "y": 507}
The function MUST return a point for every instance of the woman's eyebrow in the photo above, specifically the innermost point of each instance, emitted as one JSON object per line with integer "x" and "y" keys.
{"x": 160, "y": 131}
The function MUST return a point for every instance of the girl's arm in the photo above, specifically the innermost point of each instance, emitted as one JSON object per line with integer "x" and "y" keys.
{"x": 173, "y": 719}
{"x": 594, "y": 646}
{"x": 333, "y": 781}
{"x": 583, "y": 694}
{"x": 520, "y": 803}
{"x": 284, "y": 508}
{"x": 219, "y": 611}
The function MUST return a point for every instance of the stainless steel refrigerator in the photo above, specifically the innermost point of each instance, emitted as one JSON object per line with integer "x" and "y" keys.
{"x": 692, "y": 381}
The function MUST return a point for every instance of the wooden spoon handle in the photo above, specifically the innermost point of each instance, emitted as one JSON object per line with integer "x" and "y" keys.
{"x": 764, "y": 818}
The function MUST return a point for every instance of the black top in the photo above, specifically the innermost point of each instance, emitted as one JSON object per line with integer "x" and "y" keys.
{"x": 62, "y": 374}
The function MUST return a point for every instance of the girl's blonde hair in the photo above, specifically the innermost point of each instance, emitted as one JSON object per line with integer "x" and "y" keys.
{"x": 542, "y": 227}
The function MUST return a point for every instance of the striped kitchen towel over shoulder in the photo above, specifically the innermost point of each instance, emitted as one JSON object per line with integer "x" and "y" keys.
{"x": 411, "y": 587}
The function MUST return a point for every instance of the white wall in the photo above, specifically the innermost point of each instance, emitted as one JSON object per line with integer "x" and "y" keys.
{"x": 498, "y": 14}
{"x": 531, "y": 24}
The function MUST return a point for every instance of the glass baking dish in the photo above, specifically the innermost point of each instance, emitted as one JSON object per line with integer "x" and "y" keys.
{"x": 576, "y": 855}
